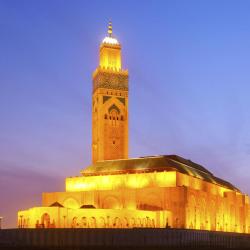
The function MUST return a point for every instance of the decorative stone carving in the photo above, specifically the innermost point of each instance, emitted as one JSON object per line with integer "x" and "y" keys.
{"x": 108, "y": 79}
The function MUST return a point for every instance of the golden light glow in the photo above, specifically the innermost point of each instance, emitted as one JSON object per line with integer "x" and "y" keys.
{"x": 110, "y": 52}
{"x": 110, "y": 56}
{"x": 92, "y": 218}
{"x": 112, "y": 182}
{"x": 120, "y": 196}
{"x": 71, "y": 203}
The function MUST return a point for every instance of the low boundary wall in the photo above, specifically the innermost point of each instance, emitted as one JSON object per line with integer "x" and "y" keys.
{"x": 120, "y": 238}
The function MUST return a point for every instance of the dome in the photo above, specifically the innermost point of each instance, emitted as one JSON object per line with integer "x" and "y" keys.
{"x": 110, "y": 40}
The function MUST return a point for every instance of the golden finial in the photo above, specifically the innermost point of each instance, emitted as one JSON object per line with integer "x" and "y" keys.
{"x": 110, "y": 29}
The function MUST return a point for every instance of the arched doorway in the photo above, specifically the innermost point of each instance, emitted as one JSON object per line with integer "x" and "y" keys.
{"x": 213, "y": 216}
{"x": 45, "y": 220}
{"x": 116, "y": 222}
{"x": 192, "y": 212}
{"x": 125, "y": 222}
{"x": 203, "y": 215}
{"x": 111, "y": 202}
{"x": 84, "y": 222}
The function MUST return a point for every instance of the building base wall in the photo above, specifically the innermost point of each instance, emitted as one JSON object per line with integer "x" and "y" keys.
{"x": 59, "y": 217}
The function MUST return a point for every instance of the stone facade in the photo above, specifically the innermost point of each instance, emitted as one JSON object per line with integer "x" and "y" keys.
{"x": 157, "y": 199}
{"x": 110, "y": 79}
{"x": 110, "y": 106}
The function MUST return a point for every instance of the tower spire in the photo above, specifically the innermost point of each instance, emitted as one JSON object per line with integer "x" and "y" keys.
{"x": 110, "y": 29}
{"x": 110, "y": 113}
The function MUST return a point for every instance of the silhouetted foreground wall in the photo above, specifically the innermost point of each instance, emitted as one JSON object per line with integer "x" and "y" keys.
{"x": 120, "y": 238}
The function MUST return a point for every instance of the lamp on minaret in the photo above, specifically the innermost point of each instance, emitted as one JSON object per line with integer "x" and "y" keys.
{"x": 110, "y": 51}
{"x": 110, "y": 103}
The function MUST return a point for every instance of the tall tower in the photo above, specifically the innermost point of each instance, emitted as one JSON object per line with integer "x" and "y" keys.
{"x": 110, "y": 103}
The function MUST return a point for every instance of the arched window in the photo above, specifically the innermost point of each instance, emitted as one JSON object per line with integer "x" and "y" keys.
{"x": 105, "y": 116}
{"x": 74, "y": 222}
{"x": 84, "y": 223}
{"x": 121, "y": 117}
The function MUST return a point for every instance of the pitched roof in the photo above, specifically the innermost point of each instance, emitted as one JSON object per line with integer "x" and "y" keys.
{"x": 88, "y": 206}
{"x": 56, "y": 204}
{"x": 152, "y": 164}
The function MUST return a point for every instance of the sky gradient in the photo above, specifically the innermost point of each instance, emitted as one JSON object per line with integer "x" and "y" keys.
{"x": 188, "y": 63}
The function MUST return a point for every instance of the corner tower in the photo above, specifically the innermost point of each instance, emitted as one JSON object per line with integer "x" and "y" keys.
{"x": 110, "y": 103}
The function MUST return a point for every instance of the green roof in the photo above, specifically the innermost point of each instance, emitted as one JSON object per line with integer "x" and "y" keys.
{"x": 152, "y": 164}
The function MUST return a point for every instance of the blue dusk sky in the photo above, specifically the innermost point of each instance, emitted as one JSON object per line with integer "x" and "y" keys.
{"x": 189, "y": 67}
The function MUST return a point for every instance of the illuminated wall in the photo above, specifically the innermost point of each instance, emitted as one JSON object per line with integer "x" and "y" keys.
{"x": 109, "y": 121}
{"x": 109, "y": 182}
{"x": 53, "y": 217}
{"x": 189, "y": 202}
{"x": 110, "y": 56}
{"x": 110, "y": 104}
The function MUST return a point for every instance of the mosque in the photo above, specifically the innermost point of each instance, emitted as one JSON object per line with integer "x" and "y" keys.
{"x": 164, "y": 191}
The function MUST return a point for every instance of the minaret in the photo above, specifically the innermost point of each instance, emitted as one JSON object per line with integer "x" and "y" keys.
{"x": 110, "y": 103}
